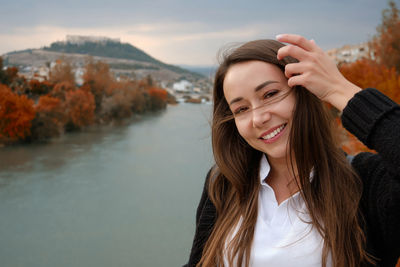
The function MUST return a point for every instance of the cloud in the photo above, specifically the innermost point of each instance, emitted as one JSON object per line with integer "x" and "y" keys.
{"x": 191, "y": 43}
{"x": 181, "y": 40}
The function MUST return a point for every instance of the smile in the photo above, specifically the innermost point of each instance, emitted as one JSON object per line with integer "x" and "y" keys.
{"x": 270, "y": 136}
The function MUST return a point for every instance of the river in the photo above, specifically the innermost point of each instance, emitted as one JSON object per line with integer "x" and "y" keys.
{"x": 108, "y": 196}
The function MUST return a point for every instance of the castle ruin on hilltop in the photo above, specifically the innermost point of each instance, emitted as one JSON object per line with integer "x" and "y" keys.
{"x": 81, "y": 39}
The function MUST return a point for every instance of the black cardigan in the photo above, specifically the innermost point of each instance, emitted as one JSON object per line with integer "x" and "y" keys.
{"x": 375, "y": 120}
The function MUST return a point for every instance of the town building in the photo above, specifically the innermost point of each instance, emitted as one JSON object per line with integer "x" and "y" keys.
{"x": 349, "y": 53}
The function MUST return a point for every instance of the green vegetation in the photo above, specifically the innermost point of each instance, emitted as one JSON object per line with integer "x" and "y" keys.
{"x": 114, "y": 50}
{"x": 123, "y": 66}
{"x": 103, "y": 49}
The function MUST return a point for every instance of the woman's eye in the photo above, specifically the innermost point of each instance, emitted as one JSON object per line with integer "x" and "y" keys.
{"x": 240, "y": 110}
{"x": 270, "y": 94}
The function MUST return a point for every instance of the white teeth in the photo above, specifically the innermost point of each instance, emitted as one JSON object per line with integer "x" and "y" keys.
{"x": 274, "y": 133}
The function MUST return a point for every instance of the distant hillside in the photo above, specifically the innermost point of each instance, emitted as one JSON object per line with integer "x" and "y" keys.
{"x": 125, "y": 60}
{"x": 112, "y": 49}
{"x": 208, "y": 71}
{"x": 102, "y": 49}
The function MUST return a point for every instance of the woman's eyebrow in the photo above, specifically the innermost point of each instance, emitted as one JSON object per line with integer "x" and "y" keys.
{"x": 261, "y": 86}
{"x": 257, "y": 88}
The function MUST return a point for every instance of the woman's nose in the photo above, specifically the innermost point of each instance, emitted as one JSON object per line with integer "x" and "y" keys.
{"x": 260, "y": 116}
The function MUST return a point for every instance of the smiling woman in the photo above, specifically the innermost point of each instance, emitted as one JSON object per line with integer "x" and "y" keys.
{"x": 261, "y": 114}
{"x": 282, "y": 192}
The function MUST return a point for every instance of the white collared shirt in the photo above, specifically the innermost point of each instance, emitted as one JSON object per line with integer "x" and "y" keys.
{"x": 282, "y": 236}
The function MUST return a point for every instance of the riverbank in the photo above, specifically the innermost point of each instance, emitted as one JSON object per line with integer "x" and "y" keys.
{"x": 35, "y": 110}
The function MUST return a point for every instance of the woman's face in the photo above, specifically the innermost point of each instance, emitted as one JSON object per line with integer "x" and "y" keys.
{"x": 262, "y": 103}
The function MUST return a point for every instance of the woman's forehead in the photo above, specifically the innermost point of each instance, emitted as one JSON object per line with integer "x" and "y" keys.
{"x": 249, "y": 75}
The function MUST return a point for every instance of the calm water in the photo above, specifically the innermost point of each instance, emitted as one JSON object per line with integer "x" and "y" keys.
{"x": 109, "y": 196}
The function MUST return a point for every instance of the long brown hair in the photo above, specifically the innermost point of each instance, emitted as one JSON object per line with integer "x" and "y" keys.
{"x": 332, "y": 198}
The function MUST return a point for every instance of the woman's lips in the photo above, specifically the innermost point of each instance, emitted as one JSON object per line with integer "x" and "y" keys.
{"x": 273, "y": 134}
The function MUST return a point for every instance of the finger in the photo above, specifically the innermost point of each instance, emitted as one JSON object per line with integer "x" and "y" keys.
{"x": 293, "y": 51}
{"x": 315, "y": 46}
{"x": 297, "y": 80}
{"x": 297, "y": 40}
{"x": 293, "y": 69}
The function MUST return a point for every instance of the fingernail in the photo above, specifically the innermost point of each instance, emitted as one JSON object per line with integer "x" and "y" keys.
{"x": 278, "y": 36}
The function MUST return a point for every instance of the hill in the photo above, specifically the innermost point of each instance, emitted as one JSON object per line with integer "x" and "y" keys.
{"x": 123, "y": 58}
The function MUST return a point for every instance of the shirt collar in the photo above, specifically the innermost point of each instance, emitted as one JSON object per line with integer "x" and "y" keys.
{"x": 264, "y": 169}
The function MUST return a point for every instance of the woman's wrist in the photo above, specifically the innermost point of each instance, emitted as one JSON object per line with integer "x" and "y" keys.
{"x": 342, "y": 96}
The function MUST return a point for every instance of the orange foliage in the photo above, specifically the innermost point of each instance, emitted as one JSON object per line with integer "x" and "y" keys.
{"x": 16, "y": 114}
{"x": 118, "y": 85}
{"x": 158, "y": 93}
{"x": 98, "y": 72}
{"x": 349, "y": 143}
{"x": 49, "y": 104}
{"x": 10, "y": 77}
{"x": 158, "y": 98}
{"x": 381, "y": 70}
{"x": 367, "y": 73}
{"x": 49, "y": 119}
{"x": 386, "y": 43}
{"x": 117, "y": 106}
{"x": 62, "y": 72}
{"x": 12, "y": 73}
{"x": 97, "y": 78}
{"x": 80, "y": 107}
{"x": 86, "y": 87}
{"x": 40, "y": 88}
{"x": 142, "y": 84}
{"x": 60, "y": 89}
{"x": 122, "y": 99}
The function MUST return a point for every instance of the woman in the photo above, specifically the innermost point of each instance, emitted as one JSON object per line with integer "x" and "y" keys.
{"x": 282, "y": 192}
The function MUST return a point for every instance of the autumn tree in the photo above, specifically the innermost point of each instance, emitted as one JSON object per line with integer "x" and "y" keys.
{"x": 97, "y": 78}
{"x": 367, "y": 73}
{"x": 124, "y": 98}
{"x": 40, "y": 88}
{"x": 8, "y": 75}
{"x": 16, "y": 115}
{"x": 117, "y": 106}
{"x": 149, "y": 80}
{"x": 158, "y": 98}
{"x": 385, "y": 45}
{"x": 49, "y": 120}
{"x": 80, "y": 108}
{"x": 61, "y": 88}
{"x": 62, "y": 72}
{"x": 381, "y": 70}
{"x": 138, "y": 101}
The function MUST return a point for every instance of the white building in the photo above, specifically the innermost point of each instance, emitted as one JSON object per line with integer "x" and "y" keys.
{"x": 79, "y": 75}
{"x": 183, "y": 86}
{"x": 349, "y": 53}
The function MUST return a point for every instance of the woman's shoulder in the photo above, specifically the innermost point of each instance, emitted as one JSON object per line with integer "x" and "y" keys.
{"x": 205, "y": 204}
{"x": 367, "y": 164}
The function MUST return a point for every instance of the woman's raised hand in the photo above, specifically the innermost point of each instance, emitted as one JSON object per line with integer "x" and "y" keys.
{"x": 315, "y": 71}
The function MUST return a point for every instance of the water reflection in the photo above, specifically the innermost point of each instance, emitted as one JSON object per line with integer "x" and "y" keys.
{"x": 15, "y": 160}
{"x": 109, "y": 196}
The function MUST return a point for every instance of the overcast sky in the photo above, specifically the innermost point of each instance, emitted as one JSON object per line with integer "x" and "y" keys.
{"x": 184, "y": 31}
